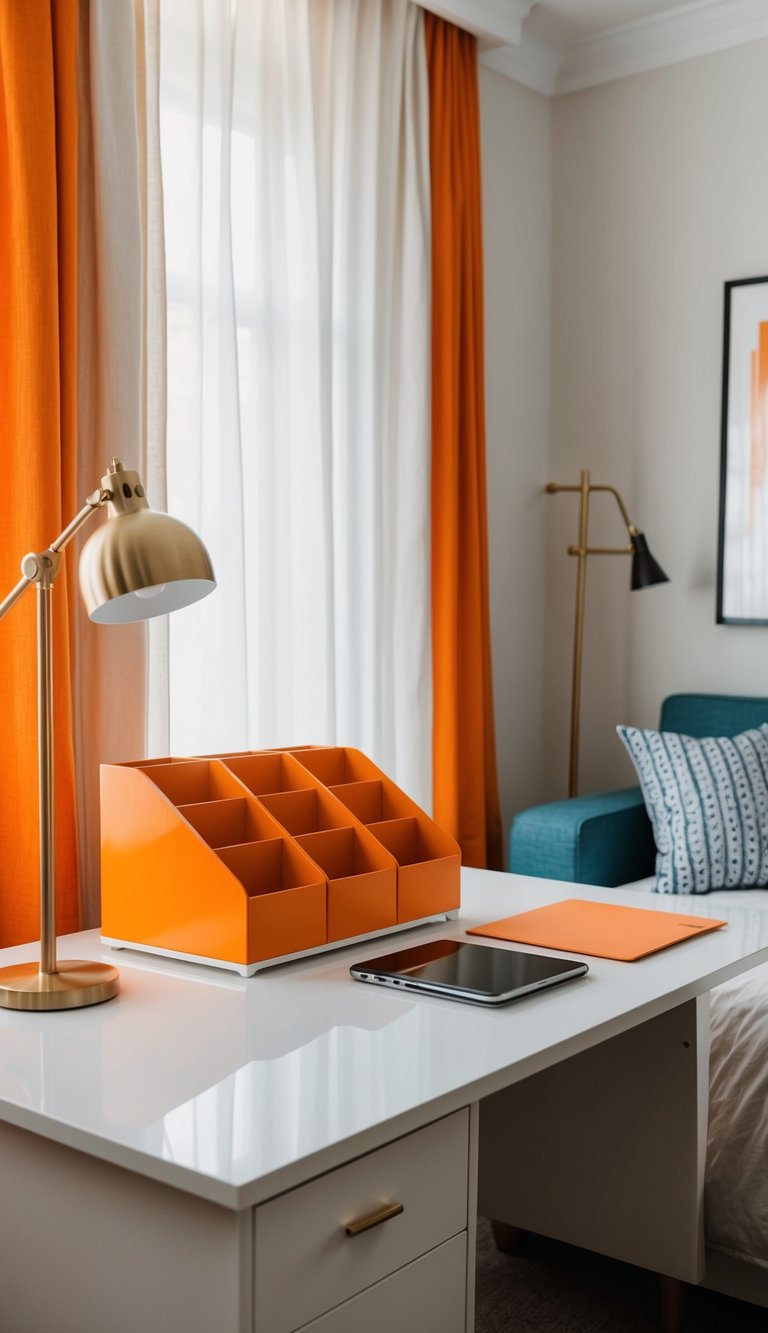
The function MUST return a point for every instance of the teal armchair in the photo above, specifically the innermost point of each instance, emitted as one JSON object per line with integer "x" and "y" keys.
{"x": 606, "y": 838}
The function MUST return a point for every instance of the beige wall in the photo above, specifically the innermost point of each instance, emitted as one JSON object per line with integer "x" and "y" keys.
{"x": 660, "y": 195}
{"x": 517, "y": 175}
{"x": 632, "y": 203}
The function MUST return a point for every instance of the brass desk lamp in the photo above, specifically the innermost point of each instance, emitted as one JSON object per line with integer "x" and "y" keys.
{"x": 645, "y": 573}
{"x": 140, "y": 565}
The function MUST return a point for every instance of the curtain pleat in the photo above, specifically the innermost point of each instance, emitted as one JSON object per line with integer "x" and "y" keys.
{"x": 75, "y": 389}
{"x": 120, "y": 389}
{"x": 296, "y": 183}
{"x": 38, "y": 429}
{"x": 466, "y": 800}
{"x": 153, "y": 458}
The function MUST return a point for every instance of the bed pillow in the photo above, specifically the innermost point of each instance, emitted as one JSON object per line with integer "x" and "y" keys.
{"x": 707, "y": 800}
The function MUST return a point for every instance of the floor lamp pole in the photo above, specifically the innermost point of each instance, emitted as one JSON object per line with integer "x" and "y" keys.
{"x": 578, "y": 635}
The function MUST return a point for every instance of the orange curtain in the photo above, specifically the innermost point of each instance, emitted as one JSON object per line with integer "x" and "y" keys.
{"x": 38, "y": 405}
{"x": 466, "y": 800}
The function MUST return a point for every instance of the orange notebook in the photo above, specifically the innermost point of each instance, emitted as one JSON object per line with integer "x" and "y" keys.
{"x": 602, "y": 930}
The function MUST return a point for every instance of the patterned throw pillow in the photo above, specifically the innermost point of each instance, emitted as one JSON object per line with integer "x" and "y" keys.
{"x": 708, "y": 803}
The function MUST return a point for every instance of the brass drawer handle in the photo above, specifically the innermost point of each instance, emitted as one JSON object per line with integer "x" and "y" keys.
{"x": 374, "y": 1219}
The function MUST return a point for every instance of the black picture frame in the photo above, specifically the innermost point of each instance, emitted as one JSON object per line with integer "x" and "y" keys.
{"x": 742, "y": 547}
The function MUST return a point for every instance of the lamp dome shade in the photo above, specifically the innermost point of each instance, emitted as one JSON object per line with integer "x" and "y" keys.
{"x": 645, "y": 570}
{"x": 142, "y": 564}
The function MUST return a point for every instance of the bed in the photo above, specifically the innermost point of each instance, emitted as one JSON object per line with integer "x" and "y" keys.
{"x": 736, "y": 1182}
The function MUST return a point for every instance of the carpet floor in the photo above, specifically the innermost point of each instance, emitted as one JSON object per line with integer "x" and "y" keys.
{"x": 554, "y": 1288}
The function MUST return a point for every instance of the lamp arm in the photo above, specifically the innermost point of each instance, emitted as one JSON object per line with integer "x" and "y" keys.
{"x": 15, "y": 594}
{"x": 601, "y": 550}
{"x": 93, "y": 502}
{"x": 631, "y": 529}
{"x": 39, "y": 563}
{"x": 553, "y": 487}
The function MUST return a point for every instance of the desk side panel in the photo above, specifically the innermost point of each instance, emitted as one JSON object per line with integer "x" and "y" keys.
{"x": 161, "y": 884}
{"x": 606, "y": 1150}
{"x": 89, "y": 1246}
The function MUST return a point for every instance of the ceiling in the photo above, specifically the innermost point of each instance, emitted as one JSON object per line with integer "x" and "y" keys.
{"x": 562, "y": 22}
{"x": 564, "y": 46}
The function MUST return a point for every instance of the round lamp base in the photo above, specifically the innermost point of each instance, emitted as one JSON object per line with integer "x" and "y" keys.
{"x": 73, "y": 986}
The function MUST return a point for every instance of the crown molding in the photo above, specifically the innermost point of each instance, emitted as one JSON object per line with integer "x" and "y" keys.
{"x": 494, "y": 22}
{"x": 533, "y": 63}
{"x": 681, "y": 33}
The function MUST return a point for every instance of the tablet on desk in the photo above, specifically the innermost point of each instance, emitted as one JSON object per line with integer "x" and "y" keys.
{"x": 475, "y": 973}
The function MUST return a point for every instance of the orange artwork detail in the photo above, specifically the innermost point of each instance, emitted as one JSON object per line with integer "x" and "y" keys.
{"x": 759, "y": 406}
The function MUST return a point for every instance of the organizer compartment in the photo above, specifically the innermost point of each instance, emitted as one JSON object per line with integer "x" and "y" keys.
{"x": 268, "y": 772}
{"x": 362, "y": 880}
{"x": 188, "y": 781}
{"x": 224, "y": 822}
{"x": 427, "y": 865}
{"x": 248, "y": 857}
{"x": 336, "y": 764}
{"x": 373, "y": 800}
{"x": 287, "y": 897}
{"x": 308, "y": 811}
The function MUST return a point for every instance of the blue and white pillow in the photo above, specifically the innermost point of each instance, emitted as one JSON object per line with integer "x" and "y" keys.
{"x": 707, "y": 800}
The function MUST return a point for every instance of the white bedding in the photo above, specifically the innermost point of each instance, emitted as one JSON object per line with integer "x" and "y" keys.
{"x": 736, "y": 1189}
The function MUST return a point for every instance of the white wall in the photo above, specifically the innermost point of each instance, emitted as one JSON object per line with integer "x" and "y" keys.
{"x": 660, "y": 196}
{"x": 517, "y": 175}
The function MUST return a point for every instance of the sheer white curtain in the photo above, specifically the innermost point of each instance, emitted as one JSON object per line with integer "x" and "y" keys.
{"x": 121, "y": 367}
{"x": 296, "y": 179}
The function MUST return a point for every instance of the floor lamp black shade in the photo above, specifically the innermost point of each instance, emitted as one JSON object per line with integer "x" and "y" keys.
{"x": 645, "y": 570}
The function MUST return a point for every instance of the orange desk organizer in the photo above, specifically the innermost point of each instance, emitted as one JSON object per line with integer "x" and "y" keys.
{"x": 246, "y": 860}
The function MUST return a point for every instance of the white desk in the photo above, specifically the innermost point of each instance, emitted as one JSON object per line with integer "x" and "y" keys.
{"x": 196, "y": 1097}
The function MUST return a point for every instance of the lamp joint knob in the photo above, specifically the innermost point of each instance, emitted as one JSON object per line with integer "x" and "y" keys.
{"x": 41, "y": 566}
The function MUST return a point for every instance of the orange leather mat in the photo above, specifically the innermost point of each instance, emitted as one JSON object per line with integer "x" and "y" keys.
{"x": 601, "y": 930}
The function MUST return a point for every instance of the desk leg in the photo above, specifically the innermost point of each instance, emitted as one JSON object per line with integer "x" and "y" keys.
{"x": 606, "y": 1150}
{"x": 508, "y": 1239}
{"x": 673, "y": 1296}
{"x": 474, "y": 1125}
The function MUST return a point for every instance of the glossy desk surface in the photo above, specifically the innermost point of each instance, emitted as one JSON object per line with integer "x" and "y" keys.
{"x": 236, "y": 1089}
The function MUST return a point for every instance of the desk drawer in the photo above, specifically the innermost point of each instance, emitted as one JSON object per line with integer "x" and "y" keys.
{"x": 429, "y": 1294}
{"x": 306, "y": 1264}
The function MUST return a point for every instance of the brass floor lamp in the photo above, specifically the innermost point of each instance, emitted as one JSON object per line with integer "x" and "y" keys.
{"x": 645, "y": 573}
{"x": 137, "y": 565}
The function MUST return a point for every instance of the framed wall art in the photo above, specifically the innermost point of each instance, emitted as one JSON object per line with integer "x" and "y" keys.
{"x": 742, "y": 565}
